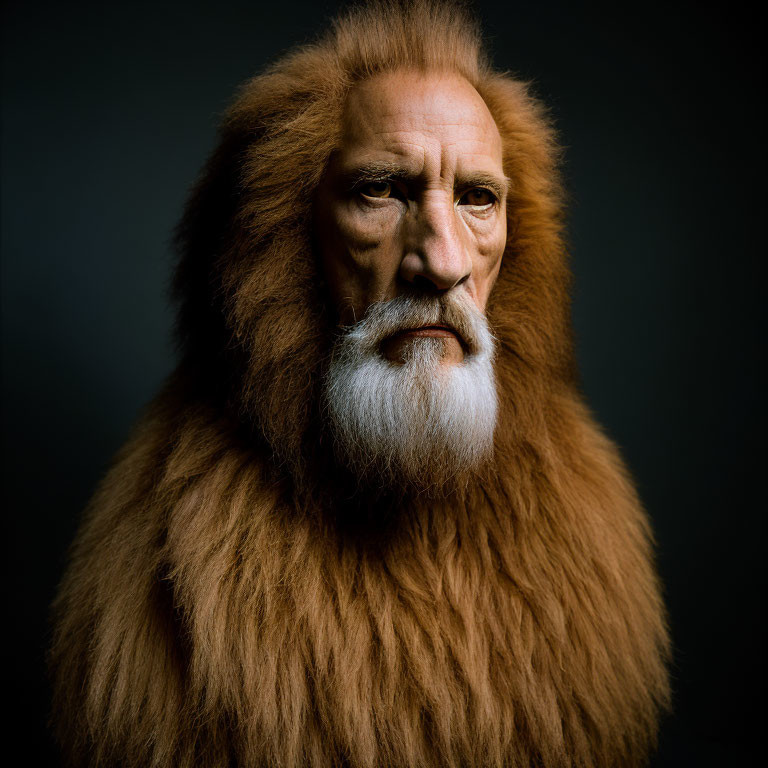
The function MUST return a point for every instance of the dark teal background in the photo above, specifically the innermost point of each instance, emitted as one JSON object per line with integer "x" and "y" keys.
{"x": 109, "y": 111}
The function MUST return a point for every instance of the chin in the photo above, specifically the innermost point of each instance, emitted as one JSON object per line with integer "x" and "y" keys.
{"x": 420, "y": 422}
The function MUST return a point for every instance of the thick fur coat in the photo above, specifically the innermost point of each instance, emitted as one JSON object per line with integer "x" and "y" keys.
{"x": 235, "y": 599}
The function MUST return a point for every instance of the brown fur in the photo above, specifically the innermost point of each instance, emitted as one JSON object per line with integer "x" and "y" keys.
{"x": 234, "y": 599}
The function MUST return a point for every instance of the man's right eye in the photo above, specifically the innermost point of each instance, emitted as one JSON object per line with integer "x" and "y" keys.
{"x": 376, "y": 189}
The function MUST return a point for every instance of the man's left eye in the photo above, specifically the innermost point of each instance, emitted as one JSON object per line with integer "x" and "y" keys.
{"x": 478, "y": 198}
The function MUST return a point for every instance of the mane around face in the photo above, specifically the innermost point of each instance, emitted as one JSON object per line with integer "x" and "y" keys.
{"x": 253, "y": 304}
{"x": 210, "y": 616}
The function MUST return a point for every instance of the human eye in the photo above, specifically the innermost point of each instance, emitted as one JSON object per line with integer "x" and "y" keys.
{"x": 478, "y": 199}
{"x": 376, "y": 189}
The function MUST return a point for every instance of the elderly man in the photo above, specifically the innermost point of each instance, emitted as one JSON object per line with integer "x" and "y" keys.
{"x": 369, "y": 521}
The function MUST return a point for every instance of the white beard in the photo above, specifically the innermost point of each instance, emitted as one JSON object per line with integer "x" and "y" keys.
{"x": 422, "y": 422}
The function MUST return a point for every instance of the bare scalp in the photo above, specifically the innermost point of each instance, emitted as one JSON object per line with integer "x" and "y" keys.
{"x": 234, "y": 599}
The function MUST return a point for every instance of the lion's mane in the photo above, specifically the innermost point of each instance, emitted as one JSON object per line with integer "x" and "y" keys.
{"x": 233, "y": 599}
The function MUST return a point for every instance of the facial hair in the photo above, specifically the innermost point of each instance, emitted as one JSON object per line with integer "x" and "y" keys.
{"x": 417, "y": 423}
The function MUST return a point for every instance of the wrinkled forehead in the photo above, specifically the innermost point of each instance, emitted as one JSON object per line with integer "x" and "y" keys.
{"x": 404, "y": 111}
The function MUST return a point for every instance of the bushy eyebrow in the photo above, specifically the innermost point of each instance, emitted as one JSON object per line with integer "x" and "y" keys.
{"x": 374, "y": 171}
{"x": 380, "y": 171}
{"x": 498, "y": 185}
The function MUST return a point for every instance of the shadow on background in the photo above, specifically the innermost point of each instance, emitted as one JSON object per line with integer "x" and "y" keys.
{"x": 109, "y": 112}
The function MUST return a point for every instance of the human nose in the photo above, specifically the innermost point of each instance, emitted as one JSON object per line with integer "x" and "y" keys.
{"x": 436, "y": 258}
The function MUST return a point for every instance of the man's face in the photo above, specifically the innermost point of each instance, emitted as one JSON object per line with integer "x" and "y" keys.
{"x": 410, "y": 224}
{"x": 413, "y": 201}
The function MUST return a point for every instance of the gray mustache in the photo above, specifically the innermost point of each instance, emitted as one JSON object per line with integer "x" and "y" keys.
{"x": 386, "y": 318}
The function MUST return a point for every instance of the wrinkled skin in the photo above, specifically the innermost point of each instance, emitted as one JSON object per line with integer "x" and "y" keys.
{"x": 414, "y": 200}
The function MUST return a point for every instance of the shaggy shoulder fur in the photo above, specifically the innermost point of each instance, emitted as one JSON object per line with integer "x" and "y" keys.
{"x": 234, "y": 599}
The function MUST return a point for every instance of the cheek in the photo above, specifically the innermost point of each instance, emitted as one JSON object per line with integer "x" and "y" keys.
{"x": 368, "y": 237}
{"x": 363, "y": 228}
{"x": 359, "y": 252}
{"x": 490, "y": 240}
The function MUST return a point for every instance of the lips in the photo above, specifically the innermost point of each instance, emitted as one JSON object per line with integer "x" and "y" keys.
{"x": 430, "y": 331}
{"x": 396, "y": 347}
{"x": 398, "y": 340}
